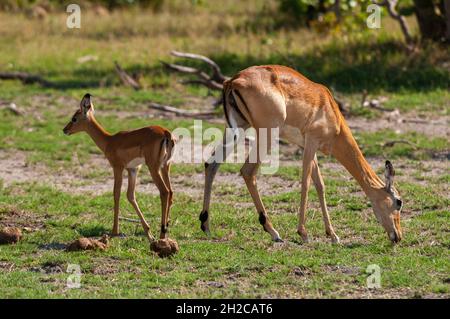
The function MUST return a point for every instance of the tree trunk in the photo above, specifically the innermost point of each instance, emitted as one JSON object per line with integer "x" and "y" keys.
{"x": 432, "y": 26}
{"x": 446, "y": 8}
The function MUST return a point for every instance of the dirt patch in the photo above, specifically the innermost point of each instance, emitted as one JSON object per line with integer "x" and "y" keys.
{"x": 211, "y": 284}
{"x": 431, "y": 127}
{"x": 347, "y": 270}
{"x": 6, "y": 266}
{"x": 13, "y": 168}
{"x": 48, "y": 268}
{"x": 23, "y": 220}
{"x": 300, "y": 271}
{"x": 106, "y": 266}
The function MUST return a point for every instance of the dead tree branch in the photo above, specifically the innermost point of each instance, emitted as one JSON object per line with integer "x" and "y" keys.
{"x": 213, "y": 82}
{"x": 390, "y": 6}
{"x": 126, "y": 78}
{"x": 25, "y": 78}
{"x": 176, "y": 111}
{"x": 13, "y": 108}
{"x": 217, "y": 73}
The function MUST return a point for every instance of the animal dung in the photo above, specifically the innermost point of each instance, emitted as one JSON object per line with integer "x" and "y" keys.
{"x": 10, "y": 235}
{"x": 164, "y": 247}
{"x": 88, "y": 244}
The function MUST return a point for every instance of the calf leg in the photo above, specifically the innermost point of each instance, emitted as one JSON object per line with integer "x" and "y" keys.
{"x": 132, "y": 177}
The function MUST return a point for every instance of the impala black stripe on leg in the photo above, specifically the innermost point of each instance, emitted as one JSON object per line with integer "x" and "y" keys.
{"x": 203, "y": 218}
{"x": 262, "y": 220}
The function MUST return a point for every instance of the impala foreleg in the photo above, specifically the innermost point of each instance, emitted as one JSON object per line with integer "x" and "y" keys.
{"x": 308, "y": 163}
{"x": 211, "y": 168}
{"x": 320, "y": 188}
{"x": 132, "y": 178}
{"x": 117, "y": 188}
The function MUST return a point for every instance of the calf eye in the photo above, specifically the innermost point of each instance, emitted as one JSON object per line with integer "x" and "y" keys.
{"x": 399, "y": 203}
{"x": 74, "y": 119}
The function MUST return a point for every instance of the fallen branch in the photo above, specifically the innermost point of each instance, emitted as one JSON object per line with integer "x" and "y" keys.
{"x": 373, "y": 103}
{"x": 131, "y": 220}
{"x": 174, "y": 110}
{"x": 13, "y": 108}
{"x": 25, "y": 78}
{"x": 126, "y": 78}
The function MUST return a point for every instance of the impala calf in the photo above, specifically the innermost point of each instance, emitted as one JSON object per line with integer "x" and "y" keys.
{"x": 274, "y": 96}
{"x": 152, "y": 146}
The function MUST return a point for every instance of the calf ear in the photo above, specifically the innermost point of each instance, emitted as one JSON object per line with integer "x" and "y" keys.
{"x": 389, "y": 174}
{"x": 86, "y": 103}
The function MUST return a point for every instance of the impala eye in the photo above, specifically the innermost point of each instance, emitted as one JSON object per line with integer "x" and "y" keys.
{"x": 399, "y": 203}
{"x": 74, "y": 119}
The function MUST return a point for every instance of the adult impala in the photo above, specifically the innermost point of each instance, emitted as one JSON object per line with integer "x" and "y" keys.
{"x": 152, "y": 145}
{"x": 306, "y": 114}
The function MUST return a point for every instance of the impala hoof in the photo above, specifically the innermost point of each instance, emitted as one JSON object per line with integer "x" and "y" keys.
{"x": 204, "y": 222}
{"x": 335, "y": 239}
{"x": 303, "y": 236}
{"x": 120, "y": 235}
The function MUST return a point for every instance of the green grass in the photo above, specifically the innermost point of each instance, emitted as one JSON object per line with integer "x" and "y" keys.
{"x": 242, "y": 259}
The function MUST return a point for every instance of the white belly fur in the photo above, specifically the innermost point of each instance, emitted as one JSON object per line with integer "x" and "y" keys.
{"x": 293, "y": 135}
{"x": 135, "y": 162}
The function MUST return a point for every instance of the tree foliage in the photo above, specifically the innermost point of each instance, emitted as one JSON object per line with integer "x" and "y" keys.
{"x": 432, "y": 15}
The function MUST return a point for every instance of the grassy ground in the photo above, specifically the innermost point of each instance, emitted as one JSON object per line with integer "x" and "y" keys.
{"x": 59, "y": 187}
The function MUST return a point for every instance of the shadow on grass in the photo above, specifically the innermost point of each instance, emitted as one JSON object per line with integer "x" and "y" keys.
{"x": 95, "y": 78}
{"x": 364, "y": 65}
{"x": 53, "y": 246}
{"x": 368, "y": 64}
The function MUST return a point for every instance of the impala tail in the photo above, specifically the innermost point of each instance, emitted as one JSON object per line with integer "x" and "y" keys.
{"x": 233, "y": 113}
{"x": 167, "y": 148}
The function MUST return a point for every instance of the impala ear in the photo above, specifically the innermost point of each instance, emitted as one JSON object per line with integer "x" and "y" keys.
{"x": 389, "y": 174}
{"x": 86, "y": 103}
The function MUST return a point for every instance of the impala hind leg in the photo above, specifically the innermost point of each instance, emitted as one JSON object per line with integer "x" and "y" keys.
{"x": 249, "y": 171}
{"x": 132, "y": 177}
{"x": 308, "y": 163}
{"x": 320, "y": 188}
{"x": 164, "y": 196}
{"x": 165, "y": 173}
{"x": 117, "y": 188}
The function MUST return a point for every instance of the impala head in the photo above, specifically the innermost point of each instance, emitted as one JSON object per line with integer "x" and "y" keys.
{"x": 387, "y": 205}
{"x": 81, "y": 117}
